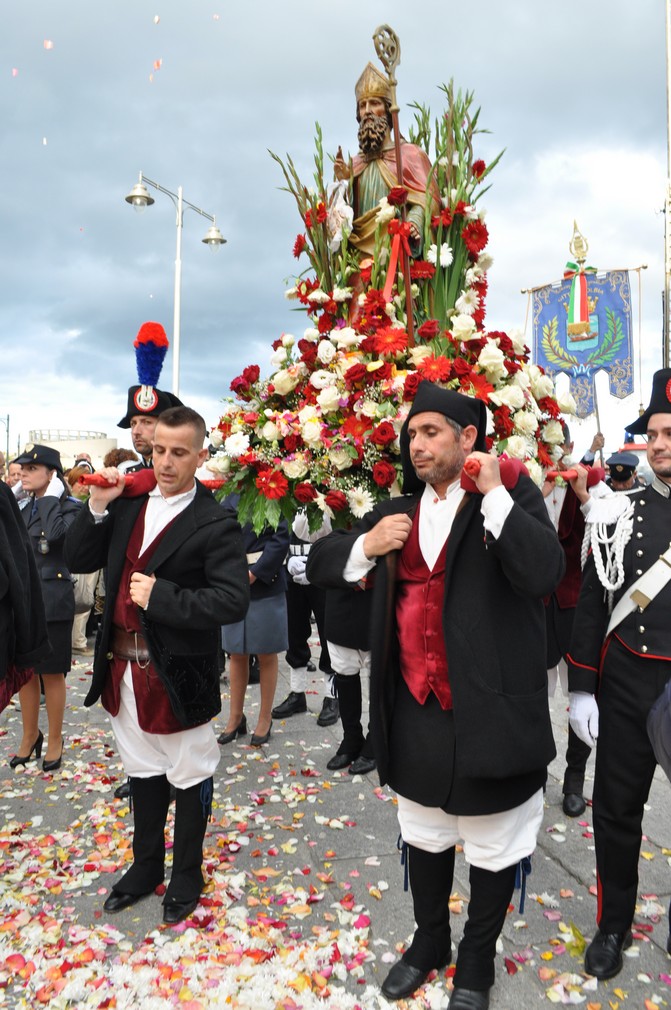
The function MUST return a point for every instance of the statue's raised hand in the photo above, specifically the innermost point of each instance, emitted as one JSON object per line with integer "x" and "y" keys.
{"x": 341, "y": 169}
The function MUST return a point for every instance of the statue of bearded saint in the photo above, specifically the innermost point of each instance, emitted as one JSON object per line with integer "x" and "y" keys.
{"x": 374, "y": 168}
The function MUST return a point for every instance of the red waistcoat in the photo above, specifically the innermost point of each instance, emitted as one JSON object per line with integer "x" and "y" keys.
{"x": 419, "y": 621}
{"x": 571, "y": 530}
{"x": 153, "y": 707}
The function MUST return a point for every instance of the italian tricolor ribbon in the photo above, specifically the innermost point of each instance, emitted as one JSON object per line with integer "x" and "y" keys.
{"x": 578, "y": 308}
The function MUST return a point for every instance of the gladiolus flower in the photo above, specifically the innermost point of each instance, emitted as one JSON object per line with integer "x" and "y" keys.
{"x": 299, "y": 245}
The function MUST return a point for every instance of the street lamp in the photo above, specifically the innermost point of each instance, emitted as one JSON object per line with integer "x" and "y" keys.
{"x": 139, "y": 198}
{"x": 5, "y": 421}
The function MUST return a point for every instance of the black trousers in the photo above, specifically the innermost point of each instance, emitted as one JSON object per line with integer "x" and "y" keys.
{"x": 558, "y": 627}
{"x": 302, "y": 602}
{"x": 625, "y": 764}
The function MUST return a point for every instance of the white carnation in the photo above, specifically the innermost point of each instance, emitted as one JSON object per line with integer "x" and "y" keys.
{"x": 368, "y": 408}
{"x": 341, "y": 294}
{"x": 318, "y": 297}
{"x": 385, "y": 212}
{"x": 525, "y": 422}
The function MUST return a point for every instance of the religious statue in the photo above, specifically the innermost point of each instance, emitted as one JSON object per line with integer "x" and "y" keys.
{"x": 374, "y": 169}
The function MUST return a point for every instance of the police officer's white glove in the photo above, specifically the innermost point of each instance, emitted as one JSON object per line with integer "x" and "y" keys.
{"x": 55, "y": 487}
{"x": 583, "y": 715}
{"x": 296, "y": 568}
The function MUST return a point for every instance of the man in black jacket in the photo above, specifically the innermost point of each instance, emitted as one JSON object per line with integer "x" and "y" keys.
{"x": 176, "y": 571}
{"x": 459, "y": 708}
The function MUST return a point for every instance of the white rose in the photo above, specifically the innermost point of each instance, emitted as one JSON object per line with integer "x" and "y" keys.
{"x": 525, "y": 422}
{"x": 216, "y": 438}
{"x": 340, "y": 458}
{"x": 219, "y": 464}
{"x": 463, "y": 327}
{"x": 521, "y": 378}
{"x": 517, "y": 338}
{"x": 542, "y": 386}
{"x": 509, "y": 396}
{"x": 312, "y": 431}
{"x": 418, "y": 353}
{"x": 284, "y": 381}
{"x": 326, "y": 352}
{"x": 368, "y": 408}
{"x": 270, "y": 432}
{"x": 552, "y": 433}
{"x": 329, "y": 399}
{"x": 492, "y": 358}
{"x": 307, "y": 413}
{"x": 485, "y": 262}
{"x": 517, "y": 447}
{"x": 311, "y": 335}
{"x": 321, "y": 379}
{"x": 288, "y": 340}
{"x": 566, "y": 403}
{"x": 278, "y": 357}
{"x": 535, "y": 471}
{"x": 294, "y": 469}
{"x": 345, "y": 337}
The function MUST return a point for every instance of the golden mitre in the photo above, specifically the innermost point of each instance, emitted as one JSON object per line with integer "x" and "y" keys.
{"x": 372, "y": 84}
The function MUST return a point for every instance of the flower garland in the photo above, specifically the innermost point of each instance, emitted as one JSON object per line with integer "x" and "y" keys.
{"x": 321, "y": 432}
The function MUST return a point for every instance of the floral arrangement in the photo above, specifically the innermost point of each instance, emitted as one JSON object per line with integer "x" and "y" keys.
{"x": 320, "y": 432}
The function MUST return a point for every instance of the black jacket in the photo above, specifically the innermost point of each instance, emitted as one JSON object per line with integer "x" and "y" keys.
{"x": 201, "y": 577}
{"x": 494, "y": 628}
{"x": 47, "y": 521}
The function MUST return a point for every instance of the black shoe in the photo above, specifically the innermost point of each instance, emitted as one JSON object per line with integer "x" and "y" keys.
{"x": 469, "y": 999}
{"x": 330, "y": 712}
{"x": 311, "y": 668}
{"x": 403, "y": 980}
{"x": 122, "y": 792}
{"x": 18, "y": 759}
{"x": 603, "y": 957}
{"x": 362, "y": 765}
{"x": 240, "y": 730}
{"x": 117, "y": 901}
{"x": 176, "y": 911}
{"x": 53, "y": 766}
{"x": 293, "y": 704}
{"x": 573, "y": 804}
{"x": 258, "y": 740}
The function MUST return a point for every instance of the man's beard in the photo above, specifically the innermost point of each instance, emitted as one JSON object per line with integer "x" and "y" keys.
{"x": 372, "y": 135}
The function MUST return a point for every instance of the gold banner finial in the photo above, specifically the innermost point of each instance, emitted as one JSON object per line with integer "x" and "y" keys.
{"x": 578, "y": 246}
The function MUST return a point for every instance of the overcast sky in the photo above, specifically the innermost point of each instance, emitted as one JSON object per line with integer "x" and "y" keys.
{"x": 575, "y": 92}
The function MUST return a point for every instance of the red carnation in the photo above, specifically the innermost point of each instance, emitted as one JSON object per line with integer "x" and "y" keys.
{"x": 478, "y": 168}
{"x": 384, "y": 434}
{"x": 384, "y": 474}
{"x": 299, "y": 245}
{"x": 397, "y": 196}
{"x": 475, "y": 236}
{"x": 336, "y": 500}
{"x": 429, "y": 329}
{"x": 305, "y": 493}
{"x": 272, "y": 483}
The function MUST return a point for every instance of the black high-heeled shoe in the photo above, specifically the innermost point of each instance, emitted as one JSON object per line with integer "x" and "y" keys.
{"x": 53, "y": 766}
{"x": 258, "y": 740}
{"x": 240, "y": 730}
{"x": 19, "y": 759}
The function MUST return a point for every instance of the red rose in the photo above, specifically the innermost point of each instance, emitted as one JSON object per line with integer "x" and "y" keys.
{"x": 384, "y": 474}
{"x": 250, "y": 417}
{"x": 478, "y": 168}
{"x": 383, "y": 373}
{"x": 299, "y": 245}
{"x": 397, "y": 196}
{"x": 384, "y": 434}
{"x": 291, "y": 443}
{"x": 429, "y": 329}
{"x": 461, "y": 368}
{"x": 336, "y": 500}
{"x": 251, "y": 373}
{"x": 355, "y": 373}
{"x": 305, "y": 493}
{"x": 412, "y": 381}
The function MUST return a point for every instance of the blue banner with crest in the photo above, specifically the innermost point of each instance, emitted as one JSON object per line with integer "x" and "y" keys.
{"x": 606, "y": 344}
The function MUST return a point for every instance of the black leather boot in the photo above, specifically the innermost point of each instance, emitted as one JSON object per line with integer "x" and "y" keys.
{"x": 490, "y": 896}
{"x": 192, "y": 811}
{"x": 150, "y": 799}
{"x": 430, "y": 876}
{"x": 348, "y": 692}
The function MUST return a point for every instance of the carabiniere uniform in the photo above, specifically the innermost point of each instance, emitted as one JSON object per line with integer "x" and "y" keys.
{"x": 627, "y": 672}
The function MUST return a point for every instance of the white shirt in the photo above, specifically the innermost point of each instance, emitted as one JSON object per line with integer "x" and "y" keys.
{"x": 160, "y": 511}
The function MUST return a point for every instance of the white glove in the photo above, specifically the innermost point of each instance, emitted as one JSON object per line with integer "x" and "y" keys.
{"x": 296, "y": 568}
{"x": 17, "y": 490}
{"x": 583, "y": 715}
{"x": 56, "y": 487}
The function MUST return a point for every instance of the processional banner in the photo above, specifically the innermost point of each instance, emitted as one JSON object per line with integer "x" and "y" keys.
{"x": 603, "y": 341}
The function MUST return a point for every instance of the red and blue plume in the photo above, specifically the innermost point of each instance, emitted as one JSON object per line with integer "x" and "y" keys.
{"x": 151, "y": 347}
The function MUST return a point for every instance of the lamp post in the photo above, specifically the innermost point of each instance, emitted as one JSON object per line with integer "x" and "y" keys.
{"x": 139, "y": 198}
{"x": 5, "y": 421}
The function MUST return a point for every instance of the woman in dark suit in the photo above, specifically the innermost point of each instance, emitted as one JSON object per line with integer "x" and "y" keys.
{"x": 263, "y": 632}
{"x": 47, "y": 511}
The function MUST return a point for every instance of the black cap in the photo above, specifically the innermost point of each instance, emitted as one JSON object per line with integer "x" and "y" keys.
{"x": 622, "y": 465}
{"x": 149, "y": 401}
{"x": 457, "y": 407}
{"x": 660, "y": 401}
{"x": 42, "y": 454}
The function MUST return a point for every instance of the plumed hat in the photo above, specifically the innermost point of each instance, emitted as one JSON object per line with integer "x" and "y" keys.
{"x": 458, "y": 407}
{"x": 44, "y": 454}
{"x": 660, "y": 401}
{"x": 151, "y": 347}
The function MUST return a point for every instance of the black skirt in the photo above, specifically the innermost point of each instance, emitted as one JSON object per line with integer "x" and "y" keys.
{"x": 60, "y": 639}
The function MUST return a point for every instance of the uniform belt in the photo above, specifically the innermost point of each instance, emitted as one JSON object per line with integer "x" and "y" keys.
{"x": 299, "y": 550}
{"x": 129, "y": 645}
